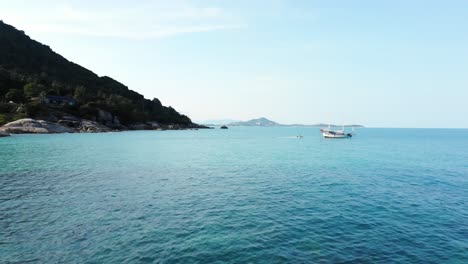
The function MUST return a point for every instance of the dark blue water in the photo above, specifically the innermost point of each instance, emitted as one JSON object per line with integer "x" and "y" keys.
{"x": 243, "y": 195}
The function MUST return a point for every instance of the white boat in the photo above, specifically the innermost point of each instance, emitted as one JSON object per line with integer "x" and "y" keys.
{"x": 329, "y": 133}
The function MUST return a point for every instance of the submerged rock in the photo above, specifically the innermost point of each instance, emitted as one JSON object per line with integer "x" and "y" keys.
{"x": 28, "y": 125}
{"x": 4, "y": 134}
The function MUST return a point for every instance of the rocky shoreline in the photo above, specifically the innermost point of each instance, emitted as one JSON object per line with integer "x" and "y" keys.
{"x": 33, "y": 126}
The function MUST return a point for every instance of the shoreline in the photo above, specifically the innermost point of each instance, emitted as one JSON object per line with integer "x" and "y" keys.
{"x": 3, "y": 134}
{"x": 33, "y": 126}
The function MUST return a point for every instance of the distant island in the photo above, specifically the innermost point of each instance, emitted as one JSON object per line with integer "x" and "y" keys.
{"x": 41, "y": 89}
{"x": 217, "y": 122}
{"x": 256, "y": 122}
{"x": 264, "y": 122}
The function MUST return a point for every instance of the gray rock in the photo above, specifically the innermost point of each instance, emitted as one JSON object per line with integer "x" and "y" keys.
{"x": 28, "y": 125}
{"x": 70, "y": 118}
{"x": 92, "y": 126}
{"x": 69, "y": 123}
{"x": 153, "y": 124}
{"x": 4, "y": 134}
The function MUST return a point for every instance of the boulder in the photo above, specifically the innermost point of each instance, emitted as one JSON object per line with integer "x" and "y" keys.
{"x": 70, "y": 118}
{"x": 28, "y": 125}
{"x": 69, "y": 123}
{"x": 92, "y": 126}
{"x": 153, "y": 124}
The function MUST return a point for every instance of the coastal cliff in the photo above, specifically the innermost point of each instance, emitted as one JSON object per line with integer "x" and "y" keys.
{"x": 41, "y": 85}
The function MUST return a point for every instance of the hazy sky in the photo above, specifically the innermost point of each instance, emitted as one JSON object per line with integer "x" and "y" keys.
{"x": 378, "y": 63}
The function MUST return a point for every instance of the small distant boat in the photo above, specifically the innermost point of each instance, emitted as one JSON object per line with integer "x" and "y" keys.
{"x": 329, "y": 133}
{"x": 224, "y": 127}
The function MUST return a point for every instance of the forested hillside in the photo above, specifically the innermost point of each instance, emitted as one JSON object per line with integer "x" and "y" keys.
{"x": 31, "y": 72}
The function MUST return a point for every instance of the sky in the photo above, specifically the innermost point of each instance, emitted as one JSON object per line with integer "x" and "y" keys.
{"x": 377, "y": 63}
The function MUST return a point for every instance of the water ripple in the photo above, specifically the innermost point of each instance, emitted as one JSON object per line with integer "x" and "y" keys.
{"x": 247, "y": 196}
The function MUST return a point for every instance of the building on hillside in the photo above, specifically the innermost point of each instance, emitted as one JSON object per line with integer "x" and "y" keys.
{"x": 58, "y": 100}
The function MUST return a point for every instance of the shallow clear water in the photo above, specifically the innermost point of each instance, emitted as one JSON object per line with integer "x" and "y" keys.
{"x": 241, "y": 195}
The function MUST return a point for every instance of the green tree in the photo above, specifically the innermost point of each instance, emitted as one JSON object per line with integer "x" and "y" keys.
{"x": 80, "y": 93}
{"x": 3, "y": 91}
{"x": 118, "y": 101}
{"x": 43, "y": 94}
{"x": 14, "y": 95}
{"x": 32, "y": 89}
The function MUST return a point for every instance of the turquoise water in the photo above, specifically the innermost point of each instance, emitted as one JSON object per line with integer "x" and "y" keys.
{"x": 243, "y": 195}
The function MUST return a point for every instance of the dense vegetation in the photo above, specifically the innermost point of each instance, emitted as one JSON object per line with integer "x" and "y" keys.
{"x": 30, "y": 71}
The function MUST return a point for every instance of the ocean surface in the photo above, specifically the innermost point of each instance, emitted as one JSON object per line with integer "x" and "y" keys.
{"x": 242, "y": 195}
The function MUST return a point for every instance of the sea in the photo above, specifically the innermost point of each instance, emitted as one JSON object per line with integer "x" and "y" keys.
{"x": 241, "y": 195}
